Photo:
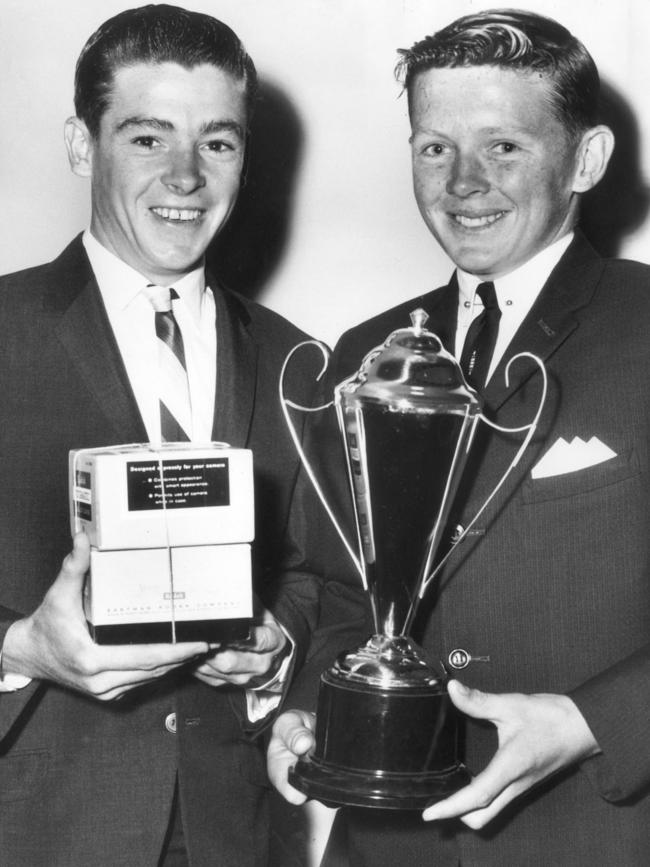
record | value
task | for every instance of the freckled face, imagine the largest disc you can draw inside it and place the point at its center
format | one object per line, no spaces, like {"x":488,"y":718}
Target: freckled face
{"x":166,"y":165}
{"x":493,"y":169}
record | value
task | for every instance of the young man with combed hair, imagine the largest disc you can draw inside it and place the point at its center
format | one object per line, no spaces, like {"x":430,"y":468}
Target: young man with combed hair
{"x":141,"y":754}
{"x":549,"y":599}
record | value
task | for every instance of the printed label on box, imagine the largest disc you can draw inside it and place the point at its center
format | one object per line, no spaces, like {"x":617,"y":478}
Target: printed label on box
{"x":83,"y":496}
{"x":206,"y":582}
{"x":187,"y":484}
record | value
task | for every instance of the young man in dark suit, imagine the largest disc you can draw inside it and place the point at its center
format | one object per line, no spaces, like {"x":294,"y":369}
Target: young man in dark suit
{"x":170,"y":773}
{"x":549,"y":600}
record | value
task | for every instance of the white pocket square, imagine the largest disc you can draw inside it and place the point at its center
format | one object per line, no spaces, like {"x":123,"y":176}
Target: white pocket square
{"x":564,"y":457}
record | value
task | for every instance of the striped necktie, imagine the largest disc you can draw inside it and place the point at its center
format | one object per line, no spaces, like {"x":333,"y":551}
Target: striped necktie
{"x":481,"y":338}
{"x":173,"y":386}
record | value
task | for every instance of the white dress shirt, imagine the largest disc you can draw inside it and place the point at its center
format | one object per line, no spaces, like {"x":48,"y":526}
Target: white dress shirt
{"x":516,"y":294}
{"x":132,"y":319}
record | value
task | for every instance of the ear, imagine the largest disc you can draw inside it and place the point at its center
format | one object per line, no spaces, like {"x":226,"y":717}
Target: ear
{"x":243,"y":175}
{"x":79,"y":145}
{"x":593,"y":153}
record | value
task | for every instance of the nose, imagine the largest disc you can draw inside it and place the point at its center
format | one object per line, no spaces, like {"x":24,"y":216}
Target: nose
{"x":467,"y":176}
{"x":182,"y":174}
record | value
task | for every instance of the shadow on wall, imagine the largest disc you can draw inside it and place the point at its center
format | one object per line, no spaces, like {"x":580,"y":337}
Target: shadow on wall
{"x":253,"y":243}
{"x":619,"y":203}
{"x":245,"y":254}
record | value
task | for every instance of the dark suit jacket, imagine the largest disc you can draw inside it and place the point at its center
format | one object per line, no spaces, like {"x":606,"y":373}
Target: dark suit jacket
{"x":85,"y":783}
{"x":556,"y":591}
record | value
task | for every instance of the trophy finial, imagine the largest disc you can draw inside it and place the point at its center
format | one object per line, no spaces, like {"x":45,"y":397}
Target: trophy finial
{"x":419,"y":319}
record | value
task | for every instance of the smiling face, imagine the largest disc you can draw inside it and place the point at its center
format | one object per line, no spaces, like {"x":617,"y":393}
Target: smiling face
{"x":165,"y":168}
{"x":494,"y":171}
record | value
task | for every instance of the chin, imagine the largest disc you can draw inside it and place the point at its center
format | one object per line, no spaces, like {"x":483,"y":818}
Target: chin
{"x":180,"y":262}
{"x":474,"y":265}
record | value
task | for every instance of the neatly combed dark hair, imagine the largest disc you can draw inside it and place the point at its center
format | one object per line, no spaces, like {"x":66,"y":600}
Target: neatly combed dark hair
{"x":512,"y":39}
{"x":155,"y":34}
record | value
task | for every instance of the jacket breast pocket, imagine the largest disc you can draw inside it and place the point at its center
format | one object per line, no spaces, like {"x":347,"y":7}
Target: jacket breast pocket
{"x":21,"y":774}
{"x":617,"y":469}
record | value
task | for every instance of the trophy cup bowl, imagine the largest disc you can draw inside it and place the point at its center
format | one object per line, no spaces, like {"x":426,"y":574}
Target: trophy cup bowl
{"x":386,"y":731}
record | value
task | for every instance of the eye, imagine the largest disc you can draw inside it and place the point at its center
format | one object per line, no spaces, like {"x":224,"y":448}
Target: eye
{"x":148,"y":142}
{"x":506,"y":147}
{"x":434,"y":150}
{"x":222,"y":147}
{"x":219,"y":146}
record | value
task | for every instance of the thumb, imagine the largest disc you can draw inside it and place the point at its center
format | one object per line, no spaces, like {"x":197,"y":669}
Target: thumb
{"x":295,"y":730}
{"x":469,"y":701}
{"x":291,"y":739}
{"x":77,"y":562}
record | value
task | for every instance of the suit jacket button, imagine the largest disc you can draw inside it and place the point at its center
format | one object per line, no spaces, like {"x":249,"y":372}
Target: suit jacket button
{"x":459,"y":658}
{"x":456,"y":533}
{"x":170,"y":723}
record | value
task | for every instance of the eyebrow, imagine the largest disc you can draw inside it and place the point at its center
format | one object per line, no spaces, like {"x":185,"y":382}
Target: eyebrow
{"x":216,"y":126}
{"x":208,"y":128}
{"x":499,"y":132}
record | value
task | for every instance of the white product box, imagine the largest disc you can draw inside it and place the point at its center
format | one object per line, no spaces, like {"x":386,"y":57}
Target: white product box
{"x":116,"y":495}
{"x":197,"y":593}
{"x":169,"y":528}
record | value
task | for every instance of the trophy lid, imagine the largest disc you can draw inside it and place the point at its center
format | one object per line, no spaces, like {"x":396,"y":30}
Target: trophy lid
{"x":412,"y":371}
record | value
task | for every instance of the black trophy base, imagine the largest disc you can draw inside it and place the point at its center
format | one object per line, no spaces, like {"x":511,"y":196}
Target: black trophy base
{"x":390,"y":791}
{"x":392,"y":748}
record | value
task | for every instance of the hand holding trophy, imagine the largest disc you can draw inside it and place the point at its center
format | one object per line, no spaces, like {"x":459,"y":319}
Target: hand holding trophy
{"x":387,"y":734}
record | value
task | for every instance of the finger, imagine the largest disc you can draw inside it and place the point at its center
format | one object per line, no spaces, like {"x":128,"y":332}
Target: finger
{"x":240,"y":666}
{"x":231,"y":662}
{"x":278,"y":770}
{"x":483,"y":790}
{"x":146,"y":658}
{"x":464,"y":807}
{"x":478,"y":819}
{"x":266,"y":638}
{"x":207,"y":669}
{"x":105,"y":684}
{"x":265,"y":616}
{"x":215,"y":675}
{"x":292,"y":737}
{"x":210,"y":679}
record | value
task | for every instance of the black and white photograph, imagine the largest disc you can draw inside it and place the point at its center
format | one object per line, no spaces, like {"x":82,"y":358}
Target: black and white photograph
{"x":325,"y":436}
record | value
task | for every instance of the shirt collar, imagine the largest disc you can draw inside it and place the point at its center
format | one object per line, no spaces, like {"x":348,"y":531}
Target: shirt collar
{"x":120,"y":284}
{"x":523,"y":285}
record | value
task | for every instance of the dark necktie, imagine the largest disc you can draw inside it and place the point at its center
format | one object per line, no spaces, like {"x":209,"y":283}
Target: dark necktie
{"x":481,"y":338}
{"x":173,"y":390}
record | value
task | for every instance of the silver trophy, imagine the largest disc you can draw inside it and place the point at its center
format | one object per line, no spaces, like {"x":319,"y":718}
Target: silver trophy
{"x":387,"y":734}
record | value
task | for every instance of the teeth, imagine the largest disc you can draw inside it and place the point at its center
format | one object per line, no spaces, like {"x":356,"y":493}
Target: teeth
{"x":177,"y":214}
{"x":477,"y":222}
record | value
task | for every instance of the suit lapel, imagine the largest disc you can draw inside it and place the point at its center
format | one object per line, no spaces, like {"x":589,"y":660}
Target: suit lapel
{"x":550,"y":322}
{"x":85,"y":332}
{"x":236,"y":370}
{"x":442,"y":307}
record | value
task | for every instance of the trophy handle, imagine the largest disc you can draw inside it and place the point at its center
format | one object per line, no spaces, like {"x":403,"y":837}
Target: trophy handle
{"x":531,"y":428}
{"x":286,"y":403}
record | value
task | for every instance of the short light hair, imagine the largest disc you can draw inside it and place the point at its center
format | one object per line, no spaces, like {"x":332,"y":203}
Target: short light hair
{"x":522,"y":41}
